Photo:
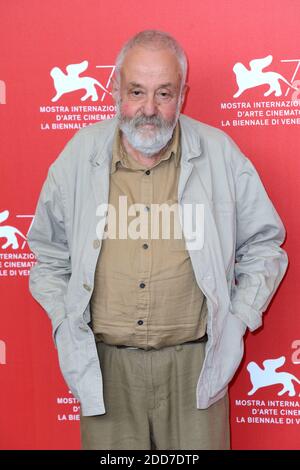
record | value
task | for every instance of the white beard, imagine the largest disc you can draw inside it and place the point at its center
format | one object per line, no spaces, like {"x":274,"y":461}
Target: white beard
{"x":146,"y":140}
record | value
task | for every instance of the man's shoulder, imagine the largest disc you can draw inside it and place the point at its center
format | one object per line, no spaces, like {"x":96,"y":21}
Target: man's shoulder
{"x":208,"y":136}
{"x":85,"y":144}
{"x":216,"y":142}
{"x":96,"y":132}
{"x":202,"y":129}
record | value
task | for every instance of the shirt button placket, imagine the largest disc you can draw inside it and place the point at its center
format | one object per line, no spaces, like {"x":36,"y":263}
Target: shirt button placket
{"x":144,"y":273}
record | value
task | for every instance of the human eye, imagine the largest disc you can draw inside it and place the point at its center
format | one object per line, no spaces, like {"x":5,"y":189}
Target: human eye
{"x":164,"y":95}
{"x":135,"y":94}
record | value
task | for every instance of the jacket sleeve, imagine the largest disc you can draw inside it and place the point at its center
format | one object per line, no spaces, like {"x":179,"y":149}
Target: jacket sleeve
{"x":260,"y":261}
{"x":47,"y":239}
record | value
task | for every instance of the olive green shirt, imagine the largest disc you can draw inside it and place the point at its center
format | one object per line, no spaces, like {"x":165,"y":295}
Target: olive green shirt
{"x":145,"y":292}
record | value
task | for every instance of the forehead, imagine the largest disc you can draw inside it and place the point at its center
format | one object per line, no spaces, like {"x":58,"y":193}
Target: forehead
{"x":150,"y":66}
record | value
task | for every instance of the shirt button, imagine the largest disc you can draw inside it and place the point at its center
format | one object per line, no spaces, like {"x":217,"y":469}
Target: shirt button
{"x":96,"y":244}
{"x":142,"y":285}
{"x":140,"y":322}
{"x":145,"y":246}
{"x":87,"y":287}
{"x":148,"y":172}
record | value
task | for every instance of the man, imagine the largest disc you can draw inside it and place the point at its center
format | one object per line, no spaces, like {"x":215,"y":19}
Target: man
{"x":149,"y":329}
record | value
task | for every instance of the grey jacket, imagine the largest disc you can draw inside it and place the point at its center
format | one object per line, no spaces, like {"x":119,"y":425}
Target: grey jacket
{"x":238,"y":268}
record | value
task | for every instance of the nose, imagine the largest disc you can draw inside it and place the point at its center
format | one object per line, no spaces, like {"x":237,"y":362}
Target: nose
{"x":149,"y":106}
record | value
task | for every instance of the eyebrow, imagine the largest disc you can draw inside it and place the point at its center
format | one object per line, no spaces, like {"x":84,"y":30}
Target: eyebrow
{"x":138,"y":85}
{"x":135,"y":84}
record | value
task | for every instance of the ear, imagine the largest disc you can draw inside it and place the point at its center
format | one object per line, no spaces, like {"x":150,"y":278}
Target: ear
{"x":183,"y":93}
{"x":115,"y":88}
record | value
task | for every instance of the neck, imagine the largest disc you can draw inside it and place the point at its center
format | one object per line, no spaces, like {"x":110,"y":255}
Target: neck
{"x":145,"y":160}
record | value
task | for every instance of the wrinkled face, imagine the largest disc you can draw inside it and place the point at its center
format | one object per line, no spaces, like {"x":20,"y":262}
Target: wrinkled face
{"x":148,"y":98}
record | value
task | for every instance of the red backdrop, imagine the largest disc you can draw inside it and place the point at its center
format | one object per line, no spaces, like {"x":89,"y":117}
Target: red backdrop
{"x":37,"y":411}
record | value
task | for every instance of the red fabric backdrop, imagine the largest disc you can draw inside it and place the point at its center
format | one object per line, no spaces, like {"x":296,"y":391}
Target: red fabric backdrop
{"x":37,"y":411}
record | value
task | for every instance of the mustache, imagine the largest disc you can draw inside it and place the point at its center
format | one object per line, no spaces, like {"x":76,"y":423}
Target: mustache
{"x":143,"y":120}
{"x":148,"y":120}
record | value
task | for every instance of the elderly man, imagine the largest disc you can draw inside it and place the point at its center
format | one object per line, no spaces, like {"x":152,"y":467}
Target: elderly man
{"x":149,"y":327}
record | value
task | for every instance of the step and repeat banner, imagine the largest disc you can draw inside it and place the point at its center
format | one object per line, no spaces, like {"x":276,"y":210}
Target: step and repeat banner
{"x":56,"y":67}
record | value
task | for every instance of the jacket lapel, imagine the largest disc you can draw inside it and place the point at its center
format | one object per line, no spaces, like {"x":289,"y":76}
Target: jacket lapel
{"x":195,"y":187}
